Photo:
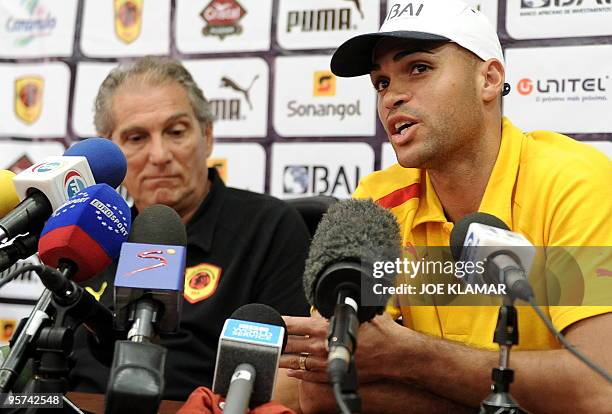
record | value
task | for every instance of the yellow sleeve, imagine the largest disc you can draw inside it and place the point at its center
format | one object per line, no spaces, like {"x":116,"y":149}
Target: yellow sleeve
{"x":581,"y":238}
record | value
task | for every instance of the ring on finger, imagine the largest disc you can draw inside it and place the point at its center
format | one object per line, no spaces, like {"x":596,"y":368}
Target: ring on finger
{"x":302,"y":360}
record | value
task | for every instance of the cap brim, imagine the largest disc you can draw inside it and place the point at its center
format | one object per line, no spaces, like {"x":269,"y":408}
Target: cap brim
{"x":354,"y":57}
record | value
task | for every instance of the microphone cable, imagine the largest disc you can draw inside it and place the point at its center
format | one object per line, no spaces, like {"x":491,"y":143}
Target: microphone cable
{"x":566,"y":343}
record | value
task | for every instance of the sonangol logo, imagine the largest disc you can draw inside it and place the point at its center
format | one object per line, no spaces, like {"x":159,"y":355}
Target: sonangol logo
{"x":46,"y":167}
{"x":324,"y":83}
{"x":524,"y":86}
{"x":73,"y":183}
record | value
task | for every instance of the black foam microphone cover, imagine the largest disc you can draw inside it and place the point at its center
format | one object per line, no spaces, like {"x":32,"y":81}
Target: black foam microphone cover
{"x":158,"y":224}
{"x":351,"y":236}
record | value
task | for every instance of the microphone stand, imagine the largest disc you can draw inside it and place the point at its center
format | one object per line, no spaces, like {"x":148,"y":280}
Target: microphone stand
{"x":350,"y":393}
{"x":344,"y":327}
{"x":136,"y":382}
{"x":499,"y":401}
{"x":55,"y":343}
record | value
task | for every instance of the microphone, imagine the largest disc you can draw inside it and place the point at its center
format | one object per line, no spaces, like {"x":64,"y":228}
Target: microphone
{"x":482,"y":237}
{"x":81,"y":239}
{"x":105,"y":158}
{"x":86,"y":233}
{"x":150,"y":275}
{"x":8,"y":194}
{"x":44,"y":187}
{"x":249,"y":351}
{"x":22,"y":247}
{"x":351,"y":236}
{"x":148,"y":298}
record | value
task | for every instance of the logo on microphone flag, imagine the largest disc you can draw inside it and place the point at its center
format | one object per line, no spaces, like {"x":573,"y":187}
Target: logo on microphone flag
{"x":201,"y":282}
{"x":89,"y":229}
{"x":128,"y":19}
{"x":44,"y":167}
{"x":28,"y":98}
{"x":73,"y":183}
{"x":144,"y":265}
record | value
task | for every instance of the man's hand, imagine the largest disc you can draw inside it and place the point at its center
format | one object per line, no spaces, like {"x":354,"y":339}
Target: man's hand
{"x":374,"y":347}
{"x":307,"y":336}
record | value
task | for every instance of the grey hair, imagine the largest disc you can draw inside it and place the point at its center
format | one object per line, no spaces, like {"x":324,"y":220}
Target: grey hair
{"x":154,"y":70}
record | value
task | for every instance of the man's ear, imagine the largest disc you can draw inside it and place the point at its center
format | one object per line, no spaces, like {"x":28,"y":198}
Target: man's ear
{"x":493,"y":74}
{"x":207,"y":134}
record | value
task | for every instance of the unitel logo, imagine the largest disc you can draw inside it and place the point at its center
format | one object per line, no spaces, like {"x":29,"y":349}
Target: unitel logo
{"x":524,"y":86}
{"x":222,"y":17}
{"x":565,"y":85}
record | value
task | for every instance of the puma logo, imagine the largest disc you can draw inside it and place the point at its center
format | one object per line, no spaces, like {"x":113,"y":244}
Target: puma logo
{"x":358,"y":7}
{"x":601,"y":272}
{"x":228,"y":83}
{"x":99,"y":293}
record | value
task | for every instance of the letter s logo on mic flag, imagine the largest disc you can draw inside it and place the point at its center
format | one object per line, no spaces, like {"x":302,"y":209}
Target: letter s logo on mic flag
{"x":148,"y":265}
{"x":89,"y":228}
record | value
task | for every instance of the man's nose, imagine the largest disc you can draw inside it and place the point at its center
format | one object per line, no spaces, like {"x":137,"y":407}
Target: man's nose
{"x":396,"y":96}
{"x":159,"y":151}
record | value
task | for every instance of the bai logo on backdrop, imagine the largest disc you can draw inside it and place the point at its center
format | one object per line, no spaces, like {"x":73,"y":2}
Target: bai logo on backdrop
{"x":565,"y":89}
{"x":231,"y":109}
{"x":558,"y":7}
{"x":28,"y":98}
{"x":39,"y":23}
{"x":324,"y":20}
{"x":319,"y":179}
{"x":128,"y":19}
{"x":222,"y":18}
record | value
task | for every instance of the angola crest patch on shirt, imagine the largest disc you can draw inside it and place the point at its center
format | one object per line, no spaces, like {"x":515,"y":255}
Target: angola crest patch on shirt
{"x":201,"y":281}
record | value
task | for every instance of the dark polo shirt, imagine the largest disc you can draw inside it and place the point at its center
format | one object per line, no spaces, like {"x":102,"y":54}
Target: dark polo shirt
{"x":243,"y":247}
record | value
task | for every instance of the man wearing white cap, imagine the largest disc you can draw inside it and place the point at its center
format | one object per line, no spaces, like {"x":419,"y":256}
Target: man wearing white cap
{"x":438,"y":69}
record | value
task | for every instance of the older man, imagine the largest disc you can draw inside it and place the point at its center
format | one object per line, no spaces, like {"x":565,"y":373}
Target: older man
{"x":242,"y":247}
{"x":438,"y":70}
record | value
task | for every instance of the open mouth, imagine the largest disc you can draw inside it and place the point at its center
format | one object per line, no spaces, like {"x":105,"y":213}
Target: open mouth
{"x":400,"y":127}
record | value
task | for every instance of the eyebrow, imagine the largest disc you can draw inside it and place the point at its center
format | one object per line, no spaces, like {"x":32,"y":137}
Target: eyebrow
{"x":173,"y":118}
{"x":402,"y":54}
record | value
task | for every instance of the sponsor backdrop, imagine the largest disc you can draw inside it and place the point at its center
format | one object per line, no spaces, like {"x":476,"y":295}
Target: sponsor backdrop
{"x":285,"y":124}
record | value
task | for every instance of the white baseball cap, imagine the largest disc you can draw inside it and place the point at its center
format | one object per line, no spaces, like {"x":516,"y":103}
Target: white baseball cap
{"x":442,"y":20}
